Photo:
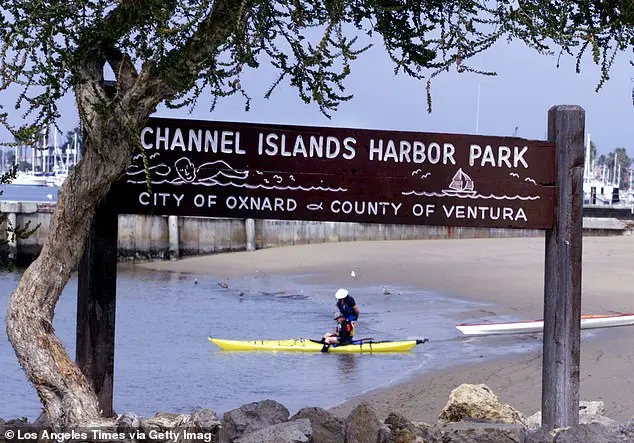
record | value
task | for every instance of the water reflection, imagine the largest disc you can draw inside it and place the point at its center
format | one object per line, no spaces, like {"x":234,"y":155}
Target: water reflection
{"x":346,"y":364}
{"x":134,"y":272}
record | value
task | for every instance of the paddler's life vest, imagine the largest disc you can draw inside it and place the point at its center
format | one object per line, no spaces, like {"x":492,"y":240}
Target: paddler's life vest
{"x":345,"y":331}
{"x":345,"y":306}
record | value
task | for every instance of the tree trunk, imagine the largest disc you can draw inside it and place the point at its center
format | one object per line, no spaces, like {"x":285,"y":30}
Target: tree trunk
{"x":65,"y":392}
{"x":113,"y":119}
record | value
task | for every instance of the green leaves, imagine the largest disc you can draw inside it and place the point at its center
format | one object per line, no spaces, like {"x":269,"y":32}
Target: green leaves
{"x":49,"y":46}
{"x":600,"y":28}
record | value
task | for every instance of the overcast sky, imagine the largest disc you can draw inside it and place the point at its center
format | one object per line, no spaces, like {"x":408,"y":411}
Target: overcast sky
{"x":526,"y":86}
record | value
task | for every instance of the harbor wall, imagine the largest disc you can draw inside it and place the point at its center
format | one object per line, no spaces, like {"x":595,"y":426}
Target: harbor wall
{"x":168,"y":237}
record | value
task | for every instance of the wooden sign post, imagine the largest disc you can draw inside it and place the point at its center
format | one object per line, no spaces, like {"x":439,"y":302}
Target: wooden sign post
{"x":562,"y":274}
{"x":96,"y":303}
{"x":261,"y":171}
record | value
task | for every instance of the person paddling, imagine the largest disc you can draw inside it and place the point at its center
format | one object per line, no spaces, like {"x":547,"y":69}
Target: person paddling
{"x":347,"y":305}
{"x":342,"y":335}
{"x":346,"y":317}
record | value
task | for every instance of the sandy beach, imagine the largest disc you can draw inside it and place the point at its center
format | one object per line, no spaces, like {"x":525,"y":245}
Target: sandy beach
{"x":509,"y":273}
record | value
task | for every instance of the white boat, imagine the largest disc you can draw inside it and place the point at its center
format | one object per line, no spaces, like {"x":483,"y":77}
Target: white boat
{"x":27,"y":178}
{"x":57,"y":179}
{"x":522,"y":327}
{"x":602,"y":186}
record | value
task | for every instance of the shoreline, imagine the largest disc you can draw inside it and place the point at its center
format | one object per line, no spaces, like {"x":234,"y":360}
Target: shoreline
{"x":505,"y":272}
{"x":515,"y":379}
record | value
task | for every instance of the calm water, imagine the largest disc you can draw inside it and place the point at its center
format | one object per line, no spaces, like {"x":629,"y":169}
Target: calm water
{"x":165,"y":362}
{"x":28,"y":193}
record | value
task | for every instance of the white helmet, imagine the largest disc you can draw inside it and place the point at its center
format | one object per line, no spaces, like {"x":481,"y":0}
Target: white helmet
{"x":341,"y":293}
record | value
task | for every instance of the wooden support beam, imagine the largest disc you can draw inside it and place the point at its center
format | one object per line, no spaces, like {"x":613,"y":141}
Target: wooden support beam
{"x":562,"y":276}
{"x":96,"y":302}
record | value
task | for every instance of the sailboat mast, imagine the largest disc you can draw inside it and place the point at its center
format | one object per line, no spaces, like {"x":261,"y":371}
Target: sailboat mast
{"x":54,"y":148}
{"x":67,"y":149}
{"x":588,"y":156}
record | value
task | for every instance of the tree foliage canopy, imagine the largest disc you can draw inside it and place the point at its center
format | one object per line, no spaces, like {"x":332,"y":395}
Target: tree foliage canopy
{"x":46,"y":45}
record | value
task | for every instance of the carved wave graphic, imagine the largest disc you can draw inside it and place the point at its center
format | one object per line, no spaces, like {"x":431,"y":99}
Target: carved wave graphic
{"x":162,"y":170}
{"x":243,"y":185}
{"x":216,"y":173}
{"x":471,"y":196}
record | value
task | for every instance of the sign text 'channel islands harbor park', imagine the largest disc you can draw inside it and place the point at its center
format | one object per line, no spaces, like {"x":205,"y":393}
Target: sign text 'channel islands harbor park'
{"x":258,"y":171}
{"x":243,"y":170}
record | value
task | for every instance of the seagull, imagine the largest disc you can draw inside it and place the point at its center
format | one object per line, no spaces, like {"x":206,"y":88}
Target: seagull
{"x":353,"y":274}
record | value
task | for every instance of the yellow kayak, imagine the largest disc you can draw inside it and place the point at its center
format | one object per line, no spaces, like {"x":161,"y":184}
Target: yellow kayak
{"x":308,"y":345}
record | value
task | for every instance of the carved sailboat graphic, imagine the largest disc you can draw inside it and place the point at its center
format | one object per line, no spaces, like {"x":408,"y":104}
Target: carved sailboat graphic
{"x":461,"y":184}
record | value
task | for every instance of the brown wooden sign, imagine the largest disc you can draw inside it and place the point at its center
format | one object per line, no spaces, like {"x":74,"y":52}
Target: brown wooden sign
{"x":244,"y":170}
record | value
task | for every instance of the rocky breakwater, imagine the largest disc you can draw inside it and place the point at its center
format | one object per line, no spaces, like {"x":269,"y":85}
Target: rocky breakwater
{"x":473,"y":414}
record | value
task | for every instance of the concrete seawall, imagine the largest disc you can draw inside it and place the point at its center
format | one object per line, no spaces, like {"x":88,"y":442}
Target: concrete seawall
{"x":167,"y":237}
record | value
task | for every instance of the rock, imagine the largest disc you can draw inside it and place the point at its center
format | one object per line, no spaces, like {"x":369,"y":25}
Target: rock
{"x":205,"y":419}
{"x":480,"y":403}
{"x":164,"y":421}
{"x":17,"y":422}
{"x":534,"y":421}
{"x":537,"y":435}
{"x":16,"y":425}
{"x":477,"y":432}
{"x":592,"y":432}
{"x":363,"y":426}
{"x":589,"y":412}
{"x":625,"y":431}
{"x":595,"y":432}
{"x":42,"y":421}
{"x":20,"y":423}
{"x":403,"y":430}
{"x":605,"y":421}
{"x":251,"y":417}
{"x":385,"y":435}
{"x":296,"y":431}
{"x":327,"y":428}
{"x":591,"y":408}
{"x":128,"y":423}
